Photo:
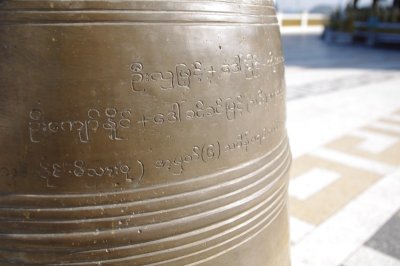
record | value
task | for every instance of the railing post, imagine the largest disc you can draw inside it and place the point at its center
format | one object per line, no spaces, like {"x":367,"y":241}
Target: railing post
{"x":304,"y":20}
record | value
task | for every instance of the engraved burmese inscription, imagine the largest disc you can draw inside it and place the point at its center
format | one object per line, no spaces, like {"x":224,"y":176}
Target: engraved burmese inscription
{"x":246,"y":140}
{"x":203,"y":153}
{"x":183,"y":75}
{"x":121,"y":123}
{"x":214,"y":151}
{"x":81,"y":169}
{"x":111,"y":120}
{"x":8,"y":172}
{"x":229,"y":108}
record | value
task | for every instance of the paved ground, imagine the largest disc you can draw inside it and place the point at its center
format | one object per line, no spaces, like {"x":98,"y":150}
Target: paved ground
{"x":344,"y":127}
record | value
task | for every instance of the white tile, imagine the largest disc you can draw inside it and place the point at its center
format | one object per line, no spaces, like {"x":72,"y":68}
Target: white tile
{"x":299,"y":229}
{"x":366,"y":256}
{"x":311,"y":182}
{"x":353,"y":161}
{"x":317,"y":120}
{"x":386,"y":126}
{"x":393,"y":117}
{"x":374,"y":142}
{"x":302,"y":30}
{"x":340,"y":236}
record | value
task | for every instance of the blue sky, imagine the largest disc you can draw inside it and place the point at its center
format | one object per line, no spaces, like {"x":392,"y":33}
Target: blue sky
{"x":304,"y":4}
{"x":307,"y":4}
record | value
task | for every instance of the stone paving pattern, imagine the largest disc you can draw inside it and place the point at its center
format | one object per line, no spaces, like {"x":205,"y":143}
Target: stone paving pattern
{"x":344,"y":128}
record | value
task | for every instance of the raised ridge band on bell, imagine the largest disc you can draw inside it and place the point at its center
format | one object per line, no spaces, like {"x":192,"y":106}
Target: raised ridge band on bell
{"x":264,"y":197}
{"x":234,"y":237}
{"x":252,"y":221}
{"x":264,"y":210}
{"x":147,"y":5}
{"x":163,"y":213}
{"x":246,"y":185}
{"x":70,"y":12}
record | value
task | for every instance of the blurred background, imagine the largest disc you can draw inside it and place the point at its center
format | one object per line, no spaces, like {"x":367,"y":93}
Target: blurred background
{"x":343,"y":90}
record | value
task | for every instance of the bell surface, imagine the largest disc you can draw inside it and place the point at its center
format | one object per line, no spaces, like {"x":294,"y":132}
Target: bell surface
{"x":142,"y":133}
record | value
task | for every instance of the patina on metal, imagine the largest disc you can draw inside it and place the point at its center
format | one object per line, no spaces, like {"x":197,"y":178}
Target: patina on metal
{"x":142,"y":133}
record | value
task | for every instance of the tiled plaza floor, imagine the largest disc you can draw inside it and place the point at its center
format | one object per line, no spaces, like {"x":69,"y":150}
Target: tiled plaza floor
{"x":344,"y":128}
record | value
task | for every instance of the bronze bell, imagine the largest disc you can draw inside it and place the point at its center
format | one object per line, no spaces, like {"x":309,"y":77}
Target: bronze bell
{"x":142,"y":133}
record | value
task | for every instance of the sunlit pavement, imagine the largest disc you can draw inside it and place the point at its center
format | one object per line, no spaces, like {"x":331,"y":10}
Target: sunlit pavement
{"x":344,"y":128}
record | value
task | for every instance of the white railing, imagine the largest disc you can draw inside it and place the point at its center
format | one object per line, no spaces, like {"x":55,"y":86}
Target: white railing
{"x":302,"y":22}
